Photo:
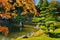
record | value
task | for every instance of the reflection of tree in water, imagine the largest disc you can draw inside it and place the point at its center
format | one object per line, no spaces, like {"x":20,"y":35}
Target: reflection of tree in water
{"x":21,"y":25}
{"x":4,"y":38}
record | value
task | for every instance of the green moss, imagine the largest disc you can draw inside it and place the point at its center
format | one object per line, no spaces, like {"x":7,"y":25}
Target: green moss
{"x":39,"y":38}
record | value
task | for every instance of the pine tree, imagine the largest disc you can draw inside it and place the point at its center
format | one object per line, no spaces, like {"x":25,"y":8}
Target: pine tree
{"x":46,"y":17}
{"x":45,"y":3}
{"x":40,"y":3}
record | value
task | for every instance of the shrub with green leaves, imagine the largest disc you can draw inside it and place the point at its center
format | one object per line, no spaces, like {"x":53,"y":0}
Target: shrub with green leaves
{"x":47,"y":18}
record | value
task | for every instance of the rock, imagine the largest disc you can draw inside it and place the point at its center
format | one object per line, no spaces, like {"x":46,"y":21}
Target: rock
{"x":37,"y":26}
{"x":24,"y":36}
{"x":38,"y":33}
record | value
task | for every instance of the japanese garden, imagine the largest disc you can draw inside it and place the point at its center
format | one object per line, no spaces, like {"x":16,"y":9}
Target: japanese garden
{"x":26,"y":20}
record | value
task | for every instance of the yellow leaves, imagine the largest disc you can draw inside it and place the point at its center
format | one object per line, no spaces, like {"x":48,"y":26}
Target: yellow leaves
{"x":6,"y":15}
{"x":15,"y":4}
{"x":3,"y":0}
{"x":7,"y":9}
{"x":14,"y":15}
{"x":31,"y":11}
{"x":0,"y":15}
{"x":10,"y":0}
{"x":8,"y":6}
{"x":19,"y":2}
{"x":23,"y":13}
{"x":26,"y":4}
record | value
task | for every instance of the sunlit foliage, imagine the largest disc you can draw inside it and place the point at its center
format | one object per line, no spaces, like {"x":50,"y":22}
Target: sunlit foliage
{"x":27,"y":5}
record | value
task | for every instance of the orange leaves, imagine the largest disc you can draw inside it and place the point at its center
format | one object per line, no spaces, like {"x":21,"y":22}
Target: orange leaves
{"x":14,"y":15}
{"x":28,"y":4}
{"x":1,"y":28}
{"x":15,"y":4}
{"x":0,"y":0}
{"x":4,"y":2}
{"x":4,"y":30}
{"x":0,"y":15}
{"x":8,"y":15}
{"x":5,"y":15}
{"x":6,"y":5}
{"x":23,"y":13}
{"x":19,"y":2}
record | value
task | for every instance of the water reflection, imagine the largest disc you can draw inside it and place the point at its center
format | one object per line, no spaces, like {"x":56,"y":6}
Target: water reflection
{"x":4,"y":38}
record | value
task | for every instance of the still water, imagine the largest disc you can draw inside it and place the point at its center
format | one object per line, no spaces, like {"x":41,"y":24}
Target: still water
{"x":27,"y":29}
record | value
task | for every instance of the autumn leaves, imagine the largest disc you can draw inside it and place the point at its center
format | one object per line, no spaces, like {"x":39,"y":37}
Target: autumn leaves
{"x":7,"y":15}
{"x":4,"y":30}
{"x":27,"y":5}
{"x":10,"y":5}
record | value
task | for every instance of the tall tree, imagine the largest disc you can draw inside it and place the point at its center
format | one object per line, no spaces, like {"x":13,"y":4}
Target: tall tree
{"x":45,"y":3}
{"x":27,"y":6}
{"x":57,"y":5}
{"x":14,"y":9}
{"x":40,"y":3}
{"x":46,"y":17}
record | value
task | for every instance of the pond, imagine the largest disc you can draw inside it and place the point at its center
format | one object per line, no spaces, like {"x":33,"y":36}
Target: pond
{"x":27,"y":29}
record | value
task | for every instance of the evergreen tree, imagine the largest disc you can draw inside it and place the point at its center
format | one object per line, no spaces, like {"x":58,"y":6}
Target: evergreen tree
{"x":57,"y":12}
{"x":45,"y":3}
{"x":46,"y":18}
{"x":40,"y":3}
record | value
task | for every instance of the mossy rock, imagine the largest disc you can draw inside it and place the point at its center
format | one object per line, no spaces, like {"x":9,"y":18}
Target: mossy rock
{"x":38,"y":33}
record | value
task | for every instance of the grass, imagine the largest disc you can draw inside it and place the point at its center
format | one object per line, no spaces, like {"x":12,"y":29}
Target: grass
{"x":27,"y":29}
{"x":43,"y":37}
{"x":57,"y":30}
